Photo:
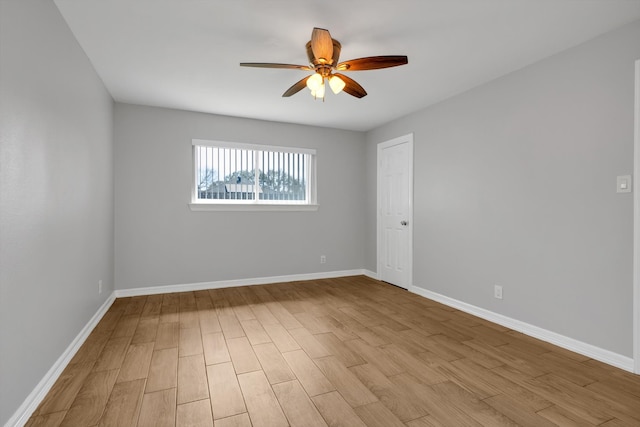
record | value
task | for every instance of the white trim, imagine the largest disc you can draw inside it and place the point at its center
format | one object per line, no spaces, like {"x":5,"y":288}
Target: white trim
{"x":636,"y":226}
{"x":371,"y":274}
{"x":396,"y":141}
{"x":203,"y":206}
{"x":30,"y":404}
{"x":597,"y":353}
{"x":167,"y":289}
{"x":257,"y":147}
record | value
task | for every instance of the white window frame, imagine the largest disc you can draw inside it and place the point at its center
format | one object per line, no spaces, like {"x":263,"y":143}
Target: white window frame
{"x":311,"y":204}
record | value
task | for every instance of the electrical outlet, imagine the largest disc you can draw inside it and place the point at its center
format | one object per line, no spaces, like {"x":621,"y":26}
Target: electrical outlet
{"x":99,"y":286}
{"x":323,"y":259}
{"x":624,"y":184}
{"x":497,"y":291}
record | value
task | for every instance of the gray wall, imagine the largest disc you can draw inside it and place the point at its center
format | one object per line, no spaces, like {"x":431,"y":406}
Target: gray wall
{"x":160,"y":241}
{"x":515,"y":185}
{"x":56,"y":194}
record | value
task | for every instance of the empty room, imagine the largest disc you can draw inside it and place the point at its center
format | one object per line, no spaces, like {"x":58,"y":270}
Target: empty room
{"x":302,"y":213}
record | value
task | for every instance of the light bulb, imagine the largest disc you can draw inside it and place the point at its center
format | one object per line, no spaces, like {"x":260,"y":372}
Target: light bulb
{"x":315,"y":81}
{"x":337,"y":84}
{"x":318,"y":93}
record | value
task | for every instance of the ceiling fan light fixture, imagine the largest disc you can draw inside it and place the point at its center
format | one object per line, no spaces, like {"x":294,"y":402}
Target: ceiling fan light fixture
{"x":315,"y":81}
{"x":336,"y":84}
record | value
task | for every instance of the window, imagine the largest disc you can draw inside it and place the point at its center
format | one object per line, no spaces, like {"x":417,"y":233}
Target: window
{"x":230,"y":176}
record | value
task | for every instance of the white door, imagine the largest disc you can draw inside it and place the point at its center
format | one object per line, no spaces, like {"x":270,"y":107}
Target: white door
{"x":395,"y":205}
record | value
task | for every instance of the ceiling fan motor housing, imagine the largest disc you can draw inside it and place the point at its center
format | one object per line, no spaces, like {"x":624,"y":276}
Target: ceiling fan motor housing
{"x":314,"y":62}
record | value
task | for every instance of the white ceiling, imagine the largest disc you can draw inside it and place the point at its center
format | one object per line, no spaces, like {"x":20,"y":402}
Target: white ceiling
{"x":185,"y":53}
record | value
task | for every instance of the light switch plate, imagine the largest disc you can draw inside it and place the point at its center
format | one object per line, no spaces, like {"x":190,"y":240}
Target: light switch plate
{"x":624,"y":184}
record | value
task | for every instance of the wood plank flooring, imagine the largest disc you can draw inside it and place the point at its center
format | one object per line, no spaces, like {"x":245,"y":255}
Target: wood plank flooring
{"x":338,"y":352}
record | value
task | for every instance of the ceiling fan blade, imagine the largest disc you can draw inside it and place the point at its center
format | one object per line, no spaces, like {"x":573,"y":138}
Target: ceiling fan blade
{"x":372,"y":63}
{"x":322,"y":45}
{"x":297,"y":87}
{"x":272,"y":65}
{"x":352,"y":87}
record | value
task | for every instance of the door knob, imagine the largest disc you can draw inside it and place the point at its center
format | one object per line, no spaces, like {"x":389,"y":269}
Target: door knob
{"x":404,"y":223}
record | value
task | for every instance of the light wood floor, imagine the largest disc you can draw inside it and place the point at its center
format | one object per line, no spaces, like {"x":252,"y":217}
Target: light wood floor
{"x":339,"y":352}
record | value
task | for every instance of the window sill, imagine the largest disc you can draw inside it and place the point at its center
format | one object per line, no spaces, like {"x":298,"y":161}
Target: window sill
{"x":199,"y":207}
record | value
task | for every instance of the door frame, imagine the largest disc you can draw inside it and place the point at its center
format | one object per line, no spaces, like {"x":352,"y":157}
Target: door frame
{"x":381,"y":146}
{"x":636,"y":225}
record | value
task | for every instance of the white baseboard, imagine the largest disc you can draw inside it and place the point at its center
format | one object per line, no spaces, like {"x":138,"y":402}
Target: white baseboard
{"x":167,"y":289}
{"x":21,"y":416}
{"x":372,"y":274}
{"x":30,"y":404}
{"x":574,"y":345}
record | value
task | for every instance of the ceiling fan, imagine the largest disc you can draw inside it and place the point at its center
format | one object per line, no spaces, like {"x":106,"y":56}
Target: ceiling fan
{"x":323,"y":53}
